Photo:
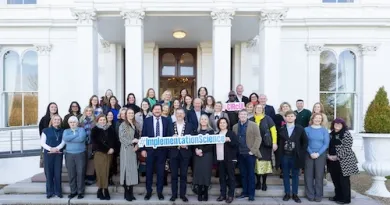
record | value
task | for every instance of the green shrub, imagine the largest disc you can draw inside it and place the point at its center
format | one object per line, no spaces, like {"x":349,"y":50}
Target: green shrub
{"x":377,"y":118}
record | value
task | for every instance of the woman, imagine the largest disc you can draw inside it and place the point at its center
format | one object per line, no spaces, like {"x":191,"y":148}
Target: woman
{"x":279,"y":118}
{"x":166,"y":111}
{"x":52,"y":144}
{"x":254,"y":99}
{"x":121,"y":118}
{"x":166,"y":98}
{"x":250,"y":109}
{"x":114,"y":162}
{"x":342,"y":162}
{"x":319,"y":108}
{"x":209,"y":107}
{"x":110,"y":118}
{"x":268,"y":144}
{"x":175,"y":105}
{"x":318,"y":142}
{"x":203,"y":93}
{"x":87,"y":121}
{"x":150,"y":97}
{"x":188,"y":103}
{"x":74,"y":110}
{"x":182,"y":96}
{"x":131,"y":100}
{"x":94,"y":103}
{"x":203,"y":161}
{"x":74,"y":138}
{"x":103,"y":143}
{"x":227,"y":158}
{"x":128,"y":136}
{"x":52,"y":109}
{"x":114,"y":107}
{"x":218,"y":114}
{"x":144,"y":113}
{"x":105,"y":101}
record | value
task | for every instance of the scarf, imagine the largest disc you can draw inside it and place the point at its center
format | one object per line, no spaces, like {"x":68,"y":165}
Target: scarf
{"x":105,"y":127}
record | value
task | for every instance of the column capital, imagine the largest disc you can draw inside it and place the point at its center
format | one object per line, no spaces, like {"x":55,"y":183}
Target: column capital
{"x":133,"y":17}
{"x":43,"y":49}
{"x":314,"y":49}
{"x":106,"y":45}
{"x":272,"y":17}
{"x":222,"y":17}
{"x":367,"y":49}
{"x":84,"y":16}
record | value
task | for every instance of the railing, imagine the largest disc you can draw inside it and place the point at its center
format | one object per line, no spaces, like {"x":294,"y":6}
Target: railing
{"x":19,"y":141}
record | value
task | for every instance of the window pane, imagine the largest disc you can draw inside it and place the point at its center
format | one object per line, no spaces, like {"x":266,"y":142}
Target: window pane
{"x":328,"y":100}
{"x":345,"y":108}
{"x":328,"y":71}
{"x":30,"y":109}
{"x":169,"y":65}
{"x":347,"y":72}
{"x":329,"y":1}
{"x":11,"y":72}
{"x":30,"y":1}
{"x":13,"y":107}
{"x":345,"y":1}
{"x":187,"y":65}
{"x":30,"y":71}
{"x":14,"y":1}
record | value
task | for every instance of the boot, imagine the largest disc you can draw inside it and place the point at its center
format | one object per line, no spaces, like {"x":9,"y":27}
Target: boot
{"x":264,"y":186}
{"x":258,"y":183}
{"x":126,"y":193}
{"x":205,"y":193}
{"x":106,"y":194}
{"x":100,"y":193}
{"x":200,"y":192}
{"x":131,"y":193}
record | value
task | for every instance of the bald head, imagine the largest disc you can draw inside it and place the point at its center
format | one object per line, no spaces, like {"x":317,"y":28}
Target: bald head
{"x":197,"y":104}
{"x":262,"y":99}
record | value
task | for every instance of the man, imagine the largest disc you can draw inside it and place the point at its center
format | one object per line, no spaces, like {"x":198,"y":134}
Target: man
{"x":240,"y":97}
{"x":249,"y":135}
{"x":268,"y":109}
{"x":303,"y":115}
{"x":292,"y":149}
{"x":156,"y":126}
{"x":233,"y":115}
{"x":193,"y":116}
{"x":180,"y":156}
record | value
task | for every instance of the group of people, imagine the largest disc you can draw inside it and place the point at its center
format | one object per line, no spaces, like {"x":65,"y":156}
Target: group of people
{"x":94,"y":140}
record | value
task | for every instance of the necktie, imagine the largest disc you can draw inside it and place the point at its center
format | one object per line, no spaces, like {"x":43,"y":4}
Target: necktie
{"x":217,"y":117}
{"x":157,"y":127}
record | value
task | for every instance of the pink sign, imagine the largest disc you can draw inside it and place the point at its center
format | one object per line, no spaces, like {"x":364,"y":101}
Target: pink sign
{"x":235,"y":106}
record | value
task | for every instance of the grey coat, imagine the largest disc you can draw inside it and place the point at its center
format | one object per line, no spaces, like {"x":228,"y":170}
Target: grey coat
{"x":128,"y":157}
{"x":140,"y":119}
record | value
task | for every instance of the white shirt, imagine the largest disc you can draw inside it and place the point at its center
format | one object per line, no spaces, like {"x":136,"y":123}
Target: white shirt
{"x":239,"y":98}
{"x":197,"y":115}
{"x":47,"y":147}
{"x":154,"y":126}
{"x":180,"y":127}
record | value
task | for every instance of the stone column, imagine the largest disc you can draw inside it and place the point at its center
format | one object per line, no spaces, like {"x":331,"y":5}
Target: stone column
{"x":107,"y":68}
{"x":221,"y":53}
{"x":43,"y":51}
{"x":87,"y":52}
{"x":134,"y":53}
{"x":313,"y":73}
{"x":270,"y":54}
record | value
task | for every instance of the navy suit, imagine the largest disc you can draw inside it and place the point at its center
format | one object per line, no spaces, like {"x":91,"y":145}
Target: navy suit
{"x":180,"y":158}
{"x":158,"y":155}
{"x":193,"y":119}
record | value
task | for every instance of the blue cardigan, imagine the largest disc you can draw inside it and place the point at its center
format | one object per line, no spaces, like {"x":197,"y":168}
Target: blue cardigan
{"x":75,"y":141}
{"x":318,"y":139}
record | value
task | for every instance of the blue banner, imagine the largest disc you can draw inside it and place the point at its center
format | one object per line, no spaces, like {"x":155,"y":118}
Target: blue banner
{"x":180,"y":141}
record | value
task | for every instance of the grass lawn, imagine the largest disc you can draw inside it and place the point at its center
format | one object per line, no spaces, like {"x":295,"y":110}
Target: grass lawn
{"x":388,"y":177}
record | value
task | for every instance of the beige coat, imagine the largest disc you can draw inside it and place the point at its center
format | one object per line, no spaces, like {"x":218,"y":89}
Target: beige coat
{"x":253,"y":137}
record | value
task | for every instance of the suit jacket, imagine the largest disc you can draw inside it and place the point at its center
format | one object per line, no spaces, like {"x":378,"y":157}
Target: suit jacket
{"x":300,"y":138}
{"x":270,"y":111}
{"x":148,"y":128}
{"x":193,"y":119}
{"x":244,"y":99}
{"x":174,"y":151}
{"x":253,"y":137}
{"x":213,"y":121}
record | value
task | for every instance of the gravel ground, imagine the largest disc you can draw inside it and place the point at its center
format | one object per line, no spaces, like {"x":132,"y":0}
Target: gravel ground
{"x":362,"y":182}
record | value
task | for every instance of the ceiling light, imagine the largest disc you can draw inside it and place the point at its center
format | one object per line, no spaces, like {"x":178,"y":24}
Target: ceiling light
{"x":179,"y":34}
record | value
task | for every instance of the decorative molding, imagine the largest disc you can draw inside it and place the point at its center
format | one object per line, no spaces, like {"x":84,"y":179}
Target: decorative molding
{"x":106,"y":45}
{"x":84,"y":17}
{"x":43,"y":49}
{"x":367,"y":49}
{"x":222,"y":17}
{"x":253,"y":42}
{"x":133,"y":17}
{"x":314,"y":49}
{"x":272,"y":17}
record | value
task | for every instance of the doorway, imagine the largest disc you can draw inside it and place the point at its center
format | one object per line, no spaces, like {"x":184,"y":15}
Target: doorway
{"x":177,"y":70}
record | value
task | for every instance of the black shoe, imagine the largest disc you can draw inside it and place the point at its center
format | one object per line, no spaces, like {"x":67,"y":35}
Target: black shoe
{"x":264,"y":187}
{"x":251,"y":198}
{"x":258,"y":186}
{"x":286,"y":197}
{"x":160,"y":196}
{"x":49,"y":196}
{"x":184,"y":198}
{"x":241,"y":196}
{"x":80,"y":196}
{"x":71,"y":196}
{"x":340,"y":202}
{"x":296,"y":198}
{"x":131,"y":193}
{"x":99,"y":193}
{"x":200,"y":192}
{"x":205,"y":193}
{"x":59,"y":196}
{"x":147,"y":196}
{"x":106,"y":194}
{"x":173,"y":198}
{"x":221,"y":198}
{"x":332,"y":199}
{"x":229,"y":199}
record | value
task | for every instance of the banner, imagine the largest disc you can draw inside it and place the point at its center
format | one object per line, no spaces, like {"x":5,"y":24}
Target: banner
{"x":235,"y":106}
{"x":180,"y":141}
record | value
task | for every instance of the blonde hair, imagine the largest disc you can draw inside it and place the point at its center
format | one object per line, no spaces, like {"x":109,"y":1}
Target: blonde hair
{"x":315,"y":115}
{"x":281,"y":107}
{"x":54,"y":116}
{"x":147,"y":93}
{"x":208,"y":123}
{"x":322,"y":109}
{"x":82,"y":118}
{"x":120,"y":111}
{"x":258,"y":105}
{"x":165,"y":93}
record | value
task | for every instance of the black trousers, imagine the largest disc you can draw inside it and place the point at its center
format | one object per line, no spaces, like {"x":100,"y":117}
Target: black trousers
{"x":342,"y":184}
{"x":176,"y":163}
{"x":155,"y":157}
{"x":227,"y":177}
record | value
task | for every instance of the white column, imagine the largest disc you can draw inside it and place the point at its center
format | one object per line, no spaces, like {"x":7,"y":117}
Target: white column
{"x":204,"y":66}
{"x":134,"y":52}
{"x":313,"y":73}
{"x":43,"y":51}
{"x":87,"y":52}
{"x":149,"y":68}
{"x":107,"y":71}
{"x":221,"y":52}
{"x":120,"y":75}
{"x":270,"y":54}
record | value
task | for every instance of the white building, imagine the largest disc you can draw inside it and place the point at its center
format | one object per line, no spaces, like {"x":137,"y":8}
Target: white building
{"x":315,"y":50}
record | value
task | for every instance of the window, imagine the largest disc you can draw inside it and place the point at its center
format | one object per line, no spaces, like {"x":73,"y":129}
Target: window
{"x":20,"y":88}
{"x":21,"y":1}
{"x":337,"y":1}
{"x":337,"y":85}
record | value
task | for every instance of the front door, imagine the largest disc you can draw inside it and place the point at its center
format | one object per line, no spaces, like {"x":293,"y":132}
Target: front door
{"x":177,"y":70}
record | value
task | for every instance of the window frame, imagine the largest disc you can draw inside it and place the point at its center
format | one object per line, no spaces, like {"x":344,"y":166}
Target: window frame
{"x":337,"y":2}
{"x":7,"y":2}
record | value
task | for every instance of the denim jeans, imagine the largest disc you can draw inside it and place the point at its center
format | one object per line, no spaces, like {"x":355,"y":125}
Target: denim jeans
{"x":288,"y":166}
{"x":246,"y":164}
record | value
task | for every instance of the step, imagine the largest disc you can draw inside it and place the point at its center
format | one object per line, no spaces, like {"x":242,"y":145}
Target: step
{"x":40,"y":188}
{"x":118,"y":199}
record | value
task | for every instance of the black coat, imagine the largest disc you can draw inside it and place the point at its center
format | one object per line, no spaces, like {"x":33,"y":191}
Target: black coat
{"x":205,"y":147}
{"x":230,"y":149}
{"x":134,"y":107}
{"x":265,"y":125}
{"x":174,"y":151}
{"x":300,"y":138}
{"x":193,"y":119}
{"x":103,"y":140}
{"x":270,"y":111}
{"x":244,"y":99}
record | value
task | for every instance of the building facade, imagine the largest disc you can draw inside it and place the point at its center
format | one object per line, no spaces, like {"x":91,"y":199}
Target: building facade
{"x":333,"y":51}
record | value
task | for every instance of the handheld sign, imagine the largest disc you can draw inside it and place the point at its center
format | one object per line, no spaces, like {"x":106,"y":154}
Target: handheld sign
{"x":235,"y":106}
{"x":180,"y":141}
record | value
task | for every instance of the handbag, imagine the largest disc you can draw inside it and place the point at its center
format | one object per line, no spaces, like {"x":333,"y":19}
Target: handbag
{"x":266,"y":139}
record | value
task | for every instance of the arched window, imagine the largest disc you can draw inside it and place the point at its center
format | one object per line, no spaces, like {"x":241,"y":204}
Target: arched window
{"x":20,"y":88}
{"x":337,"y":85}
{"x":186,"y":64}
